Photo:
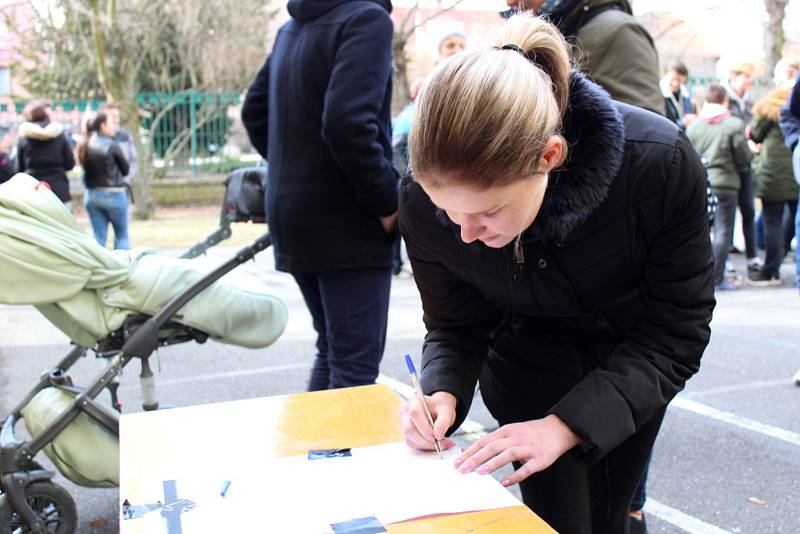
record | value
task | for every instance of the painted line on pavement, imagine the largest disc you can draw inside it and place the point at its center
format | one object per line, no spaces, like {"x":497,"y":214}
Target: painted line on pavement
{"x":722,"y":390}
{"x":736,"y":420}
{"x":228,"y":374}
{"x":679,"y":519}
{"x":472,"y":430}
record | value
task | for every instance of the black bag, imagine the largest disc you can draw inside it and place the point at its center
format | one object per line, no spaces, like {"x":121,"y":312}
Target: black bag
{"x":244,"y":195}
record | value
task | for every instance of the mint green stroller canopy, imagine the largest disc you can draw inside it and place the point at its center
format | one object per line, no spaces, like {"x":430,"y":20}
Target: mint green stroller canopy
{"x":48,"y":261}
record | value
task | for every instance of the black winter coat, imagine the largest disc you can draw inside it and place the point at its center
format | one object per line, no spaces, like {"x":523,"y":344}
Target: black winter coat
{"x":105,"y":164}
{"x":319,"y":112}
{"x":617,"y":280}
{"x":44,"y":152}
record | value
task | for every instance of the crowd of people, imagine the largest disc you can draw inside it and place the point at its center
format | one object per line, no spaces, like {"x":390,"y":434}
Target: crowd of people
{"x":106,"y":153}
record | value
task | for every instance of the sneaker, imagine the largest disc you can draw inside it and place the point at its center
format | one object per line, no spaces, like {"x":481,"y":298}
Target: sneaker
{"x":755,"y":264}
{"x":729,"y":267}
{"x":762,"y":279}
{"x":797,"y":378}
{"x":637,"y":523}
{"x":734,"y":250}
{"x":726,"y":285}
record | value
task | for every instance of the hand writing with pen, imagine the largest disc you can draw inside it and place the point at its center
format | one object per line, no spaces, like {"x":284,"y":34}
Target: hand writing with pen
{"x":535,"y":444}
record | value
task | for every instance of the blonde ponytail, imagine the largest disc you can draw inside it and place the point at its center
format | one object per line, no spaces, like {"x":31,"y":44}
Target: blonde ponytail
{"x":483,"y":118}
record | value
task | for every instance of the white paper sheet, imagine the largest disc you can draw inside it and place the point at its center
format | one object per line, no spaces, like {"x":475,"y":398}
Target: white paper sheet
{"x":297,"y":495}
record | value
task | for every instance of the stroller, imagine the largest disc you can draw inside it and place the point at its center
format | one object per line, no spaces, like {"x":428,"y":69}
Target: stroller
{"x":121,"y":306}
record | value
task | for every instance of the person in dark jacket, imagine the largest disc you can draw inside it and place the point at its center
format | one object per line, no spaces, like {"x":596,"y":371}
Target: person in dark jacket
{"x":678,"y":104}
{"x":7,"y":166}
{"x":319,"y":113}
{"x":44,"y":152}
{"x":104,"y":169}
{"x":740,"y":103}
{"x":559,"y":241}
{"x":790,"y":126}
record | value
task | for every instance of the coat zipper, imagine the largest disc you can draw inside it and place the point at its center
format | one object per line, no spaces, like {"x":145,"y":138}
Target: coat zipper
{"x":519,"y":255}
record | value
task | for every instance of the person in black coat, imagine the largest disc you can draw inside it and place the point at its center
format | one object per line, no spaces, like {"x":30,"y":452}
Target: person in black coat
{"x":319,"y":113}
{"x":559,"y":241}
{"x":44,"y":152}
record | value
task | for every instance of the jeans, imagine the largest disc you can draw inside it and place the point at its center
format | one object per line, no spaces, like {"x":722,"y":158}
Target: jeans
{"x":747,"y":207}
{"x":349,"y":310}
{"x":640,"y":495}
{"x":106,"y":207}
{"x":723,"y":230}
{"x":775,"y":234}
{"x":760,"y":243}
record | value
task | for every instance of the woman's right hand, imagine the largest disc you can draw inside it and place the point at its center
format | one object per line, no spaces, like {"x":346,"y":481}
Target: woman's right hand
{"x":414,"y":425}
{"x":389,"y":223}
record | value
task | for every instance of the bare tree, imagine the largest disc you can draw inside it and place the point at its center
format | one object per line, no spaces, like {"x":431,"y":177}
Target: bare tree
{"x":773,"y":32}
{"x":114,"y":49}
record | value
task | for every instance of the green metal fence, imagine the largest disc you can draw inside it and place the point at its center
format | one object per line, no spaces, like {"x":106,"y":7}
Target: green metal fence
{"x":186,"y":131}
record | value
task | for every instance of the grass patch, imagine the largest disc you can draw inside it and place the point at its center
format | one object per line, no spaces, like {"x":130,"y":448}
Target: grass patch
{"x":181,"y":228}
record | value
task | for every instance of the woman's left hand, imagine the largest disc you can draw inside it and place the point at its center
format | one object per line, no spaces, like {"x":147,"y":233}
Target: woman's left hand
{"x":536,"y":444}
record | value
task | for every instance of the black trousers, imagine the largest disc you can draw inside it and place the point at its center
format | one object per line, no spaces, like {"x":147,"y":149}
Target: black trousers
{"x":778,"y":230}
{"x":575,"y":497}
{"x":572,"y":495}
{"x":747,"y":207}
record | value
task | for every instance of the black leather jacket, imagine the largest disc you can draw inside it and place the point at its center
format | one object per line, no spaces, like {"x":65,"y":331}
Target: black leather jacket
{"x":105,"y":164}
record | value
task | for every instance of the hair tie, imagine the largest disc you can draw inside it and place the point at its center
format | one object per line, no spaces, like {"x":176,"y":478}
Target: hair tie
{"x":530,"y":56}
{"x":513,"y":47}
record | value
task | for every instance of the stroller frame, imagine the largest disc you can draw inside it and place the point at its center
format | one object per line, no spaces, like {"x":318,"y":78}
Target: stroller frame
{"x":138,"y":337}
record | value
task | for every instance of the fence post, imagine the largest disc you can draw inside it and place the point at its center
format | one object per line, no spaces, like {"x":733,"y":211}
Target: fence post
{"x":192,"y":125}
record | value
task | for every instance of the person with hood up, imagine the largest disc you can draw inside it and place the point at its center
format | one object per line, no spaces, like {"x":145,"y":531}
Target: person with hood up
{"x":719,"y":137}
{"x":319,"y":113}
{"x":44,"y":152}
{"x":614,"y":49}
{"x":772,"y":174}
{"x":559,"y":241}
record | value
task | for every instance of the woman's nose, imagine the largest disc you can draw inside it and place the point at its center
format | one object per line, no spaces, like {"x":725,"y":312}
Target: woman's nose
{"x":471,"y":229}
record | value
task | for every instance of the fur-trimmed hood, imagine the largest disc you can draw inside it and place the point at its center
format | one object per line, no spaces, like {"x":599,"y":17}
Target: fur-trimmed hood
{"x":595,"y":135}
{"x":770,"y":105}
{"x":40,"y":131}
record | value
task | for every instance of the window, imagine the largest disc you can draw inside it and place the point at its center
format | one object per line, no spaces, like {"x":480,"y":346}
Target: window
{"x":5,"y":81}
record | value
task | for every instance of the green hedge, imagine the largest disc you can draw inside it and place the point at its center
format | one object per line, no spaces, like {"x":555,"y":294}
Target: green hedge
{"x":175,"y":191}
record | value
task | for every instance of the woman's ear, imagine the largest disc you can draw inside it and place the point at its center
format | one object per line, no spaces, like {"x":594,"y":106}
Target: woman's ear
{"x":553,"y":154}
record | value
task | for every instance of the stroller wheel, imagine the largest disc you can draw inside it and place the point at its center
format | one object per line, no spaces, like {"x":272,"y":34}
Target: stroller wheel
{"x":51,"y":502}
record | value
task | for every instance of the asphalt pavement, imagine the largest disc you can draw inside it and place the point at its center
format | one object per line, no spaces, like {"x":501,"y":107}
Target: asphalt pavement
{"x":727,"y":459}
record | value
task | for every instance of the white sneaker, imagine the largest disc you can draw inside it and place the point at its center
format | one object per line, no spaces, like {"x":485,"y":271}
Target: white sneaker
{"x":755,"y":263}
{"x":729,"y":267}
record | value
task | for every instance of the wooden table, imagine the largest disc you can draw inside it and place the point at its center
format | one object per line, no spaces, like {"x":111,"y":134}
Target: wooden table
{"x":287,"y":426}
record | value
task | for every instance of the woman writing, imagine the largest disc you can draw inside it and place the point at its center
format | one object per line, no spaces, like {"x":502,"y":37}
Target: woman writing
{"x":104,"y":168}
{"x":560,"y":244}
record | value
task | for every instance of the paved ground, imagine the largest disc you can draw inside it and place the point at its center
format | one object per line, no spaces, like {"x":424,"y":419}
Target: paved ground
{"x":727,"y":459}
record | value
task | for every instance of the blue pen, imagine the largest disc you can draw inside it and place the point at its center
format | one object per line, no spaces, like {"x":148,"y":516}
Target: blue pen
{"x":225,"y":486}
{"x":415,"y":380}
